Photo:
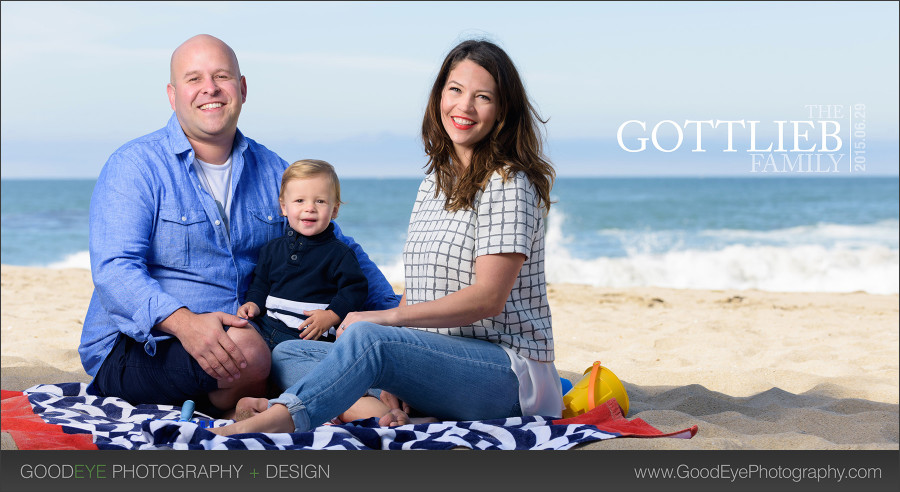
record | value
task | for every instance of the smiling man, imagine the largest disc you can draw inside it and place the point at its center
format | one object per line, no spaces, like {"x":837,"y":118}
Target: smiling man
{"x":176,"y":222}
{"x":207,"y":90}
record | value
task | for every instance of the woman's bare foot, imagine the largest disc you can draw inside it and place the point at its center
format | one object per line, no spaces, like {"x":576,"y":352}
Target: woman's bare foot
{"x":398,"y":417}
{"x":275,"y":419}
{"x":394,"y":418}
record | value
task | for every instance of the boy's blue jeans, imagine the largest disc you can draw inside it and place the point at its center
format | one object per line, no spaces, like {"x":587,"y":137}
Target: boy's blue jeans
{"x":448,"y":377}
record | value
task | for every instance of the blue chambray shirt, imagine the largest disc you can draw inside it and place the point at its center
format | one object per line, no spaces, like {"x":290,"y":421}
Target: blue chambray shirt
{"x":157,"y":242}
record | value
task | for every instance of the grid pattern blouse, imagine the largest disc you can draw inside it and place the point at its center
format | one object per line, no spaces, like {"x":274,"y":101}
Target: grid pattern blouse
{"x":441,"y":247}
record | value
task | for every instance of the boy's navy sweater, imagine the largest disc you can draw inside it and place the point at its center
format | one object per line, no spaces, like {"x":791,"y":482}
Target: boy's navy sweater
{"x":315,"y":269}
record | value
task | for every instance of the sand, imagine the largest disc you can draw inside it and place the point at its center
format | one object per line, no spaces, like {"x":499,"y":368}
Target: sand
{"x":754,"y":370}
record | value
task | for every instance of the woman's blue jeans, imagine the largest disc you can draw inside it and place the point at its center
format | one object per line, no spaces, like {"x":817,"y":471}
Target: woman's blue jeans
{"x":448,"y":377}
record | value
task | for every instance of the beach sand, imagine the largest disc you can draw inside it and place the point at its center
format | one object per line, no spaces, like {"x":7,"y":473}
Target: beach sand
{"x":754,"y":370}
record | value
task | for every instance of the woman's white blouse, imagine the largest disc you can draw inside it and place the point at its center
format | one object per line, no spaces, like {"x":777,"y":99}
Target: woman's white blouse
{"x":439,"y":259}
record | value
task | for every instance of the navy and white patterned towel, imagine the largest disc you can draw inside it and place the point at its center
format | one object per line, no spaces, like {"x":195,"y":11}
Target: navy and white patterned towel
{"x":116,"y":424}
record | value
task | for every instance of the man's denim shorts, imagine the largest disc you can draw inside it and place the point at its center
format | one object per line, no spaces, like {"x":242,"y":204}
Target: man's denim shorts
{"x":168,"y":378}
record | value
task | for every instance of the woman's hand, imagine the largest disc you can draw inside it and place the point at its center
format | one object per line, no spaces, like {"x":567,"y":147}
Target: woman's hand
{"x":387,"y":317}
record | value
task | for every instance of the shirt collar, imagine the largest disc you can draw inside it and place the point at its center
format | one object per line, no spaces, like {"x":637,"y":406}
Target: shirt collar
{"x":180,"y":144}
{"x":177,"y":139}
{"x":321,"y":237}
{"x":240,"y":143}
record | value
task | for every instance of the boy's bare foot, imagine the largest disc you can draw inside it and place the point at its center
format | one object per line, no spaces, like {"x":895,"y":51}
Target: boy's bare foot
{"x":275,"y":419}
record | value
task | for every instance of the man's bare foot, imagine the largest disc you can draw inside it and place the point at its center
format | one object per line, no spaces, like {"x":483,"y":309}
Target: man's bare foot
{"x":248,"y":406}
{"x":275,"y":419}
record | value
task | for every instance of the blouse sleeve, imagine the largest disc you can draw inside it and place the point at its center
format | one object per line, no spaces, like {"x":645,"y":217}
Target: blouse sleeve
{"x":507,"y":216}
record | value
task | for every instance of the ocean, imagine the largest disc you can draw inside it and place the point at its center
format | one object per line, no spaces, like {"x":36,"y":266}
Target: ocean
{"x":825,"y":234}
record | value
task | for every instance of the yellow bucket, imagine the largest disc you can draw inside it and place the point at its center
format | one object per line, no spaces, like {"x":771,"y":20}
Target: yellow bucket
{"x":598,"y":385}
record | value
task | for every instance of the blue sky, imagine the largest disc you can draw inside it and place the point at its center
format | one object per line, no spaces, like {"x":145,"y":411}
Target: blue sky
{"x":347,"y":82}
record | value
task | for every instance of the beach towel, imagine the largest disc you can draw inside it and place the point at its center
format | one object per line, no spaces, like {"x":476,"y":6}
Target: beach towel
{"x":67,"y":416}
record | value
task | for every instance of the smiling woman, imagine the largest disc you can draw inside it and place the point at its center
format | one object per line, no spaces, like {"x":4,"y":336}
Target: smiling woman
{"x":479,"y":117}
{"x":468,"y":110}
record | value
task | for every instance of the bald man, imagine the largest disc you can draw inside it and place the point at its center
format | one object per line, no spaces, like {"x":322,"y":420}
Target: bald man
{"x":177,"y":218}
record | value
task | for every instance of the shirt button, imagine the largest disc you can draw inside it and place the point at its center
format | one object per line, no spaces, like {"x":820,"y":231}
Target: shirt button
{"x":217,"y":222}
{"x":293,"y":257}
{"x":183,"y":218}
{"x":270,"y":217}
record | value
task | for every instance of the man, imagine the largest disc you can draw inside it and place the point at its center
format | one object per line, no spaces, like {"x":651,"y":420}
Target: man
{"x":177,"y":218}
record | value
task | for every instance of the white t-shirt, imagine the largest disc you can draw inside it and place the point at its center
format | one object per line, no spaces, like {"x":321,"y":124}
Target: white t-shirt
{"x":439,"y":259}
{"x":216,"y":180}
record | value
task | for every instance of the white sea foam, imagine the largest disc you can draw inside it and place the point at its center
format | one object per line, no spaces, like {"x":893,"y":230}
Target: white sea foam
{"x":821,"y":258}
{"x":824,"y":258}
{"x":394,"y":271}
{"x":810,"y":268}
{"x":81,"y":259}
{"x":884,"y":232}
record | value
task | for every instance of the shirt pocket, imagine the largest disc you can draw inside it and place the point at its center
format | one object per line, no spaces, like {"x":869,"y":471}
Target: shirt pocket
{"x":270,"y":222}
{"x":175,"y":231}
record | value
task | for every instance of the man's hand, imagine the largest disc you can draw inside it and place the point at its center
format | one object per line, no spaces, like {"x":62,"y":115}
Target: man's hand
{"x":248,"y":310}
{"x":318,"y":322}
{"x":204,"y":337}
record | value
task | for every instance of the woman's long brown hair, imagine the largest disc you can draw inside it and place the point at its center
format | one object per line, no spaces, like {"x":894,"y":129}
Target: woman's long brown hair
{"x":513,"y":145}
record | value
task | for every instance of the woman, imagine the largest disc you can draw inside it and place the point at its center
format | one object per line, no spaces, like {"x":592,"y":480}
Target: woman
{"x":471,"y":338}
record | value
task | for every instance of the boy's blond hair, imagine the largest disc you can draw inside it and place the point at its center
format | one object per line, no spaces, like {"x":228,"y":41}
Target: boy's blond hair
{"x":308,"y":168}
